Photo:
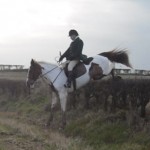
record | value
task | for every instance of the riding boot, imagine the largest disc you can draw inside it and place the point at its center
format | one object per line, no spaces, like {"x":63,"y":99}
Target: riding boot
{"x":70,"y":78}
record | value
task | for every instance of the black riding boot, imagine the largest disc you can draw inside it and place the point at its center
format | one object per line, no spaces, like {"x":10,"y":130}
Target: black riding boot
{"x":70,"y":78}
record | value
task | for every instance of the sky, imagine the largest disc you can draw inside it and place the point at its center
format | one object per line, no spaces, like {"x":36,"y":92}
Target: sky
{"x":39,"y":29}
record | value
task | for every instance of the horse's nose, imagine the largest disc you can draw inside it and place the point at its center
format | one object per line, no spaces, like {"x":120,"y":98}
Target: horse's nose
{"x":30,"y":83}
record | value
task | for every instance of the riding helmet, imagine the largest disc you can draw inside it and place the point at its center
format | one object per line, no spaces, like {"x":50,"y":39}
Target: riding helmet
{"x":73,"y":32}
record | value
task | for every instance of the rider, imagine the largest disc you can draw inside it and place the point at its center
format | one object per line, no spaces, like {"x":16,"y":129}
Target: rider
{"x":73,"y":54}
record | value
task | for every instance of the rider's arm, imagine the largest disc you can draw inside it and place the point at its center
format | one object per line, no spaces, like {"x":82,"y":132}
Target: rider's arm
{"x":64,"y":55}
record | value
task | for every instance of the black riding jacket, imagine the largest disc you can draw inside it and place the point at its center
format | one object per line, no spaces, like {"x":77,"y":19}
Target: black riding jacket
{"x":74,"y":51}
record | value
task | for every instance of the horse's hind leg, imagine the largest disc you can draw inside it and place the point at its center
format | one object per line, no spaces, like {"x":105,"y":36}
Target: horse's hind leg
{"x":112,"y":73}
{"x":53,"y":104}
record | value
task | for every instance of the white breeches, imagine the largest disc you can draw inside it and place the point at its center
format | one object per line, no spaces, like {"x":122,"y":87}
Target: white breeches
{"x":72,"y":64}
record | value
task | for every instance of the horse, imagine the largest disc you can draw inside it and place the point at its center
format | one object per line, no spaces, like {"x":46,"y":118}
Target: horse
{"x":101,"y":65}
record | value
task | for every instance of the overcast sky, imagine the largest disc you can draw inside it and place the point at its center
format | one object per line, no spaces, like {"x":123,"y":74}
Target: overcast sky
{"x":39,"y":28}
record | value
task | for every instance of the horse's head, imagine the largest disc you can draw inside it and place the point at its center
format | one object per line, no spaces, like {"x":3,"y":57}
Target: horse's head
{"x":34,"y":72}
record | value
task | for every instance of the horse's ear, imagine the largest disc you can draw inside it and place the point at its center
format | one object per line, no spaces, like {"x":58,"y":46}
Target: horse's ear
{"x":32,"y":62}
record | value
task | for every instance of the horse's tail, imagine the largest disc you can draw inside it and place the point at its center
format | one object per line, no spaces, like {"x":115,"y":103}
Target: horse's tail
{"x":118,"y":56}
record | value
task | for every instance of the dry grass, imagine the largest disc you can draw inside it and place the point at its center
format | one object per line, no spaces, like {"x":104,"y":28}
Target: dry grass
{"x":29,"y":136}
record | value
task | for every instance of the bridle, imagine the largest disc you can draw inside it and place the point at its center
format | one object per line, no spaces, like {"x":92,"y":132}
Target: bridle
{"x":33,"y":75}
{"x":36,"y":72}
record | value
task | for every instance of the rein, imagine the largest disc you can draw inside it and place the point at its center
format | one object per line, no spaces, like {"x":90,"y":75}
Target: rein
{"x":48,"y":71}
{"x":57,"y":76}
{"x":51,"y":71}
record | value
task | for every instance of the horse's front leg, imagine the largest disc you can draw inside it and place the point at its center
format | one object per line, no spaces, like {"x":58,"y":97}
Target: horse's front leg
{"x":63,"y":101}
{"x":54,"y":100}
{"x":63,"y":121}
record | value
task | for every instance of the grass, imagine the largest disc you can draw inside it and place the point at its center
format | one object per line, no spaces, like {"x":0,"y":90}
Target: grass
{"x":101,"y":133}
{"x":33,"y":137}
{"x":93,"y":130}
{"x":22,"y":119}
{"x":5,"y":130}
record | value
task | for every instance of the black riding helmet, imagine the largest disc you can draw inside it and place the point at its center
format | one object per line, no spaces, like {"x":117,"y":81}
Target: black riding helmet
{"x":73,"y":32}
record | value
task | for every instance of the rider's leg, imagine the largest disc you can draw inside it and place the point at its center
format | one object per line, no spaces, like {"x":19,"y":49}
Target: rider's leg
{"x":71,"y":65}
{"x":63,"y":65}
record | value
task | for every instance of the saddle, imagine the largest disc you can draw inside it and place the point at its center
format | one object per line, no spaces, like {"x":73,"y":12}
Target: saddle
{"x":78,"y":70}
{"x":95,"y":71}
